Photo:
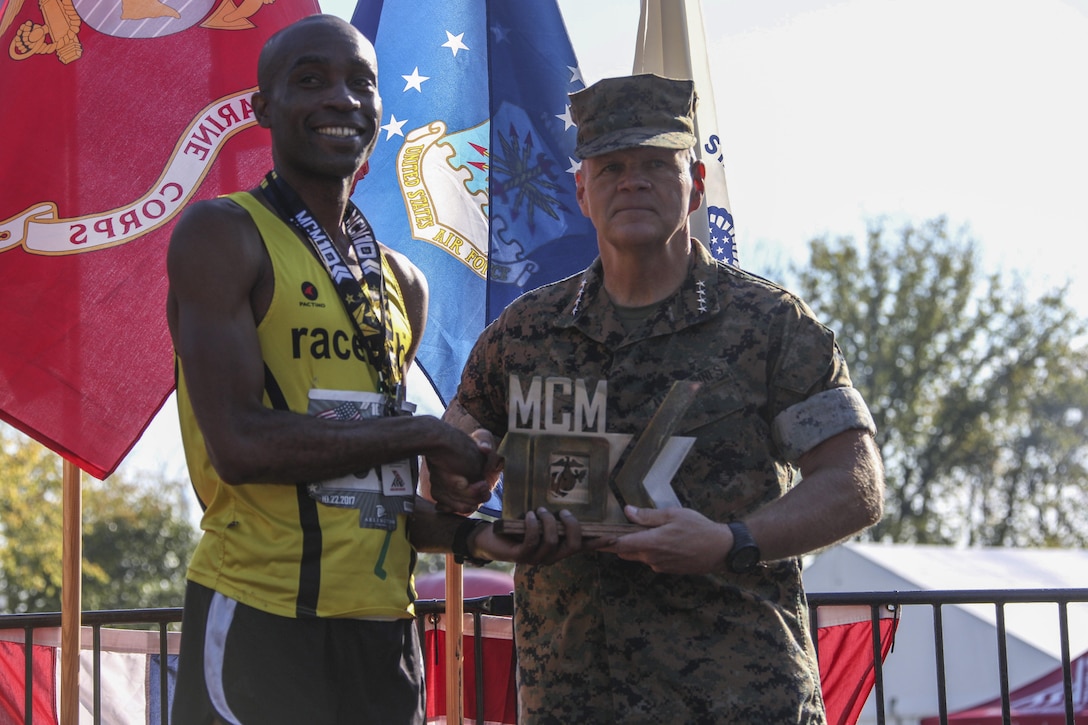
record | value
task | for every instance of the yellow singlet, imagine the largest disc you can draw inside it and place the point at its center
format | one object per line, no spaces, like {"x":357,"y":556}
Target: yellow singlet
{"x":273,"y":547}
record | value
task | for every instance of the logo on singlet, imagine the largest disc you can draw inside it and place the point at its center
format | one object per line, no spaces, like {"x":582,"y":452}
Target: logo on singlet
{"x":309,"y":292}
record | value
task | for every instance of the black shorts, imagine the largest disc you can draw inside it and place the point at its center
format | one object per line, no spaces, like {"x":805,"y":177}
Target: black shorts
{"x":242,"y":665}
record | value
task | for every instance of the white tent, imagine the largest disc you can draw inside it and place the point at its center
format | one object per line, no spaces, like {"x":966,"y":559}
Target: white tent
{"x":970,"y":631}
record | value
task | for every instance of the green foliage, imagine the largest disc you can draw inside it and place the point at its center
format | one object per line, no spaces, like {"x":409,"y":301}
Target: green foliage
{"x":137,"y":538}
{"x":30,"y":526}
{"x":980,"y":394}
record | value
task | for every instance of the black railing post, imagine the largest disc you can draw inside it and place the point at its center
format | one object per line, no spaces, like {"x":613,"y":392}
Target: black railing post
{"x":1003,"y":663}
{"x":164,"y":675}
{"x":1067,"y":678}
{"x":814,"y":629}
{"x":938,"y":648}
{"x":28,"y":675}
{"x":878,"y":662}
{"x":96,"y":676}
{"x":478,"y":650}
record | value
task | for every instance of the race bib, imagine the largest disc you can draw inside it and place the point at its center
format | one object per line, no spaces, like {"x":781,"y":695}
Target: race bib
{"x":381,"y":493}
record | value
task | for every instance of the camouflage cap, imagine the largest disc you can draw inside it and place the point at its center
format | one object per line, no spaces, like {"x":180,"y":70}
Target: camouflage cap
{"x":642,"y":110}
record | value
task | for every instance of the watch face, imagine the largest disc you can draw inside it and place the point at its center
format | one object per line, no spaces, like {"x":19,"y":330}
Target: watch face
{"x":745,"y":554}
{"x":744,"y":559}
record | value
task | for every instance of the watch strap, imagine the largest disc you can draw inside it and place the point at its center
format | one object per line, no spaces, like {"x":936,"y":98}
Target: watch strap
{"x":745,"y":554}
{"x":459,"y":548}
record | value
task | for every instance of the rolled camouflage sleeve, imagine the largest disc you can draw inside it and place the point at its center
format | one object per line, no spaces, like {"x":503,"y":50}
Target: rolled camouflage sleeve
{"x":803,"y":426}
{"x":482,"y":390}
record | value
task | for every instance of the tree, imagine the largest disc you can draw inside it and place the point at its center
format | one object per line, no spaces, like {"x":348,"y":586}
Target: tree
{"x":980,"y":394}
{"x":137,"y":538}
{"x":137,"y":542}
{"x":30,"y":526}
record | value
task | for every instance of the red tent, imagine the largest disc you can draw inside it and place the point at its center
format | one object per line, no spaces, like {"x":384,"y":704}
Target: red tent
{"x":477,"y":583}
{"x":1041,"y":702}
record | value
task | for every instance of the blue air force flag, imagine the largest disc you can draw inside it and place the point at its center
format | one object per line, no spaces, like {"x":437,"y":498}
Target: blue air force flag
{"x":473,"y":173}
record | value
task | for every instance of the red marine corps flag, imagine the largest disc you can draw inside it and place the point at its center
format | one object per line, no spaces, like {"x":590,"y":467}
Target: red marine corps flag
{"x":116,"y":115}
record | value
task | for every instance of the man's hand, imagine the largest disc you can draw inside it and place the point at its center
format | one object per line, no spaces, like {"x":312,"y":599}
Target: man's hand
{"x":459,"y":493}
{"x":540,"y":545}
{"x":679,"y":541}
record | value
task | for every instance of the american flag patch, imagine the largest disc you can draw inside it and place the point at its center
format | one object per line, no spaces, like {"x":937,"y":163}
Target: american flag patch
{"x":343,"y":411}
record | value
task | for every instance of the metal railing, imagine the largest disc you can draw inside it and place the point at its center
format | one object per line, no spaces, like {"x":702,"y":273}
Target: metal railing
{"x":95,"y":620}
{"x":503,"y":606}
{"x":937,"y":600}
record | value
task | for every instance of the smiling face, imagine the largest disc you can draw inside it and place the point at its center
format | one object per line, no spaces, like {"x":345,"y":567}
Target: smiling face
{"x":319,"y":98}
{"x":638,"y":198}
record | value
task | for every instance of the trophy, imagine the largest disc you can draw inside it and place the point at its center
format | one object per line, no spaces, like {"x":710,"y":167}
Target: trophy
{"x":574,"y":470}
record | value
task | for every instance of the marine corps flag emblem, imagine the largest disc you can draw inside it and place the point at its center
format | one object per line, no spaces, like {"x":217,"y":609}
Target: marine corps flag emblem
{"x":116,"y":115}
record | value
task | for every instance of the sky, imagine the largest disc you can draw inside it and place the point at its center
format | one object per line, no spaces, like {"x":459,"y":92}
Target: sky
{"x":835,"y":113}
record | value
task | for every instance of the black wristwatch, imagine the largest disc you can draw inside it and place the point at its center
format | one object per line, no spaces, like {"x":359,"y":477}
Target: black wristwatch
{"x":460,"y":542}
{"x":745,"y":555}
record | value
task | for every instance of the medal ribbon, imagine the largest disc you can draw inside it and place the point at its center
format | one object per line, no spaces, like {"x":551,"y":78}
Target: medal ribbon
{"x":365,"y":299}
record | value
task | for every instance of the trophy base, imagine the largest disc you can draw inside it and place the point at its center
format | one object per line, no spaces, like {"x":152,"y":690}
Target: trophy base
{"x":516,"y":528}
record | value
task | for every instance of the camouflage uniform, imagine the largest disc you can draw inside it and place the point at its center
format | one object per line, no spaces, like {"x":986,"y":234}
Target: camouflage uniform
{"x":603,"y":640}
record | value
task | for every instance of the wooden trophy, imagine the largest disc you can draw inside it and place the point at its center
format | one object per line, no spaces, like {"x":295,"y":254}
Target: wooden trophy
{"x":574,"y":471}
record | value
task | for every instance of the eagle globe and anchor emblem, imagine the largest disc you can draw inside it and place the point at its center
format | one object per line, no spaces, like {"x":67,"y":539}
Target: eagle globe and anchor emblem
{"x":43,"y":227}
{"x":62,"y":20}
{"x":444,"y":182}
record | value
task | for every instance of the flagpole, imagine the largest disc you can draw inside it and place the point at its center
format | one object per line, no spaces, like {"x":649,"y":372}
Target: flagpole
{"x":455,"y":624}
{"x":71,"y":589}
{"x":671,"y":42}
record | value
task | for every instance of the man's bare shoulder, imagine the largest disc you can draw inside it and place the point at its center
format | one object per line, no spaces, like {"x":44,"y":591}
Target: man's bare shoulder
{"x":413,"y":287}
{"x":212,"y":221}
{"x":216,"y":246}
{"x":409,"y":276}
{"x":216,"y":231}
